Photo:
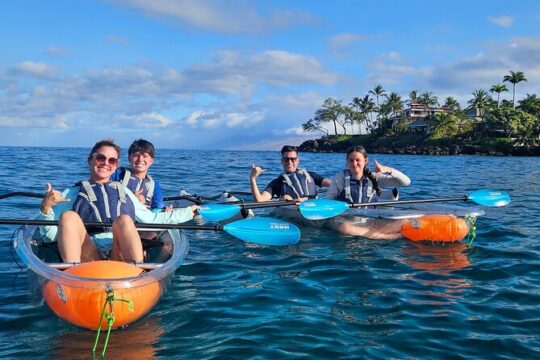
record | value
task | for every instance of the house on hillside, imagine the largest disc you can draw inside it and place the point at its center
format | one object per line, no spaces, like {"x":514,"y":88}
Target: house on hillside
{"x":415,"y":117}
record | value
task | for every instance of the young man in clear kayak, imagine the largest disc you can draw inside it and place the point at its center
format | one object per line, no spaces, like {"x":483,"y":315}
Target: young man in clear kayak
{"x":293,"y":184}
{"x":136,"y":178}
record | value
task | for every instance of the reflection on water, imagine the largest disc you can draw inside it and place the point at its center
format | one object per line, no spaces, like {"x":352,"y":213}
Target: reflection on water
{"x":136,"y":342}
{"x":440,"y":259}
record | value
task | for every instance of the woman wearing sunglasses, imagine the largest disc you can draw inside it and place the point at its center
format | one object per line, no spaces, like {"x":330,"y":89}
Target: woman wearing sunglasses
{"x":103,"y":201}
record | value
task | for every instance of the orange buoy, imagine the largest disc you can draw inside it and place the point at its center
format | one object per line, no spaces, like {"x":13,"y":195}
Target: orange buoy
{"x":81,"y":302}
{"x":435,"y":227}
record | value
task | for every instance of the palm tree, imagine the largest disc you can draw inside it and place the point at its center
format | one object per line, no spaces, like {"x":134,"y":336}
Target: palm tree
{"x":413,"y":96}
{"x":498,"y":88}
{"x":531,"y":104}
{"x":378,"y":91}
{"x":366,"y":106}
{"x":451,"y":103}
{"x":514,"y":78}
{"x":479,"y":101}
{"x":428,"y":98}
{"x":395,"y":103}
{"x":394,"y":106}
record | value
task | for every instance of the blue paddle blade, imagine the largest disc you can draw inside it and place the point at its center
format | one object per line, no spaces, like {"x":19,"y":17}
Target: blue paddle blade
{"x":318,"y":209}
{"x":265,"y":231}
{"x":218,"y":212}
{"x":486,"y":197}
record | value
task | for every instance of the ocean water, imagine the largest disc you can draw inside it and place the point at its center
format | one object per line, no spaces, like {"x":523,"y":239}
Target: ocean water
{"x":329,"y":296}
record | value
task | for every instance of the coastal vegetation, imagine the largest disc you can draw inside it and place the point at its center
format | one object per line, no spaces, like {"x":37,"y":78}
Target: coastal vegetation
{"x":384,"y":122}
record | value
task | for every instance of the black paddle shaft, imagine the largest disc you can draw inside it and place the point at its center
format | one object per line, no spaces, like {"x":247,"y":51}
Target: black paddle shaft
{"x":21,"y":193}
{"x":98,"y":224}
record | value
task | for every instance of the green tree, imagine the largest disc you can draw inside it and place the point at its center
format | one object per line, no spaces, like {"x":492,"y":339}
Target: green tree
{"x":427,"y":98}
{"x":365,"y":106}
{"x":514,"y":78}
{"x":480,"y":101}
{"x":451,"y":103}
{"x":524,"y":128}
{"x":413,"y":97}
{"x":313,"y":125}
{"x":395,"y":103}
{"x":331,"y":111}
{"x":378,"y":91}
{"x":531,"y":105}
{"x":498,"y":88}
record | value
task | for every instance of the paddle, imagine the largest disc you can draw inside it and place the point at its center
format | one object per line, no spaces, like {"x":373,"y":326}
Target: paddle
{"x":318,"y":209}
{"x":21,"y":193}
{"x":264,"y":230}
{"x":217,"y":212}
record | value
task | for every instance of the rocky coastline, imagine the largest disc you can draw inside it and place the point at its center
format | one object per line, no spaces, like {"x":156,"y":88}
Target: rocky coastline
{"x":330,"y":144}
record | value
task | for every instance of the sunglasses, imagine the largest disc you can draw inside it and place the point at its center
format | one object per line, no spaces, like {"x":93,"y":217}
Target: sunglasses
{"x":102,"y":159}
{"x":293,"y":159}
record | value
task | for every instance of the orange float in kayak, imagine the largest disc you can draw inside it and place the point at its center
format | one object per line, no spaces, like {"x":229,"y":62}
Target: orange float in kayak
{"x":436,"y":227}
{"x":81,"y":304}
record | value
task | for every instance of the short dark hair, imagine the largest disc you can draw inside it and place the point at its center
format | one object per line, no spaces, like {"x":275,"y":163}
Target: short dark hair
{"x":102,"y":143}
{"x":141,"y":145}
{"x":288,"y":148}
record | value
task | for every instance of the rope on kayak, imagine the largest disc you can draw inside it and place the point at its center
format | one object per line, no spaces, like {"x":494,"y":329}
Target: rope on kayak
{"x":471,"y":220}
{"x":110,"y":319}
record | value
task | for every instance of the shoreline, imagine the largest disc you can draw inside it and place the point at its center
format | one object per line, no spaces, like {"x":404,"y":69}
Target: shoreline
{"x":331,"y":144}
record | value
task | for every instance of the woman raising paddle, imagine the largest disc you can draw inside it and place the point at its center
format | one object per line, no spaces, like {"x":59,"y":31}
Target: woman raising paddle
{"x":357,"y":184}
{"x":103,"y":201}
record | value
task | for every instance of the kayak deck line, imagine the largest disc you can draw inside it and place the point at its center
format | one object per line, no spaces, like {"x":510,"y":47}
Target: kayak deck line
{"x":143,"y":266}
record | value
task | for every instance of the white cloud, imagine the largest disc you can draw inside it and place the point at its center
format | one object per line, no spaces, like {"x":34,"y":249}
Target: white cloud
{"x":227,"y":17}
{"x":209,"y":120}
{"x":346,"y":39}
{"x":56,"y":51}
{"x":342,"y":45}
{"x":502,"y":21}
{"x":117,"y":40}
{"x":36,"y":68}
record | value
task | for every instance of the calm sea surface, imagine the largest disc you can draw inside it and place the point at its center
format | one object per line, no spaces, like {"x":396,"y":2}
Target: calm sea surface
{"x":328,"y":296}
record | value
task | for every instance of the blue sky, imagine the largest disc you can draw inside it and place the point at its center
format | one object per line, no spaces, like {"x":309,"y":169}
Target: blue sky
{"x":240,"y":74}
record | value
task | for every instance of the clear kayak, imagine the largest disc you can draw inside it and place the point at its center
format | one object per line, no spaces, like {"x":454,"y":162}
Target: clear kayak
{"x":418,"y":222}
{"x":79,"y":293}
{"x":410,"y":211}
{"x":395,"y":212}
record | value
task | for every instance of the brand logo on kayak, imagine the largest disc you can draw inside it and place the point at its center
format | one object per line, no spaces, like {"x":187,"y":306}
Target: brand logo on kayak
{"x":279,"y":226}
{"x":309,"y":204}
{"x":415,"y":223}
{"x":60,"y":293}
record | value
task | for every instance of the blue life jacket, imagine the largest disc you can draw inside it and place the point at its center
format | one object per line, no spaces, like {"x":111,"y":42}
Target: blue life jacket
{"x":298,"y":184}
{"x":102,"y":203}
{"x":356,"y":191}
{"x":135,"y":184}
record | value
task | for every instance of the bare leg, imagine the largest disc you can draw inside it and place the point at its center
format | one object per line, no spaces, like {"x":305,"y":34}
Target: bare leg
{"x":379,"y":230}
{"x":73,"y":241}
{"x":127,"y":244}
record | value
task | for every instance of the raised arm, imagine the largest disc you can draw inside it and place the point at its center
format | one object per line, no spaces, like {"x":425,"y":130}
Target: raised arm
{"x":388,"y":176}
{"x":257,"y":195}
{"x":61,"y":202}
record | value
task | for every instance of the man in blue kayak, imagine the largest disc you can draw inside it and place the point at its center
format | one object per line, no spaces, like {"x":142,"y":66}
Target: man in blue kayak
{"x":293,"y":184}
{"x":136,"y":178}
